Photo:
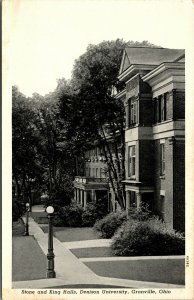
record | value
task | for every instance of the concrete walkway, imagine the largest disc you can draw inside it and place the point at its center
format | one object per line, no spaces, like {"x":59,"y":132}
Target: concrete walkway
{"x":38,"y":208}
{"x":87,"y":244}
{"x":70,"y":270}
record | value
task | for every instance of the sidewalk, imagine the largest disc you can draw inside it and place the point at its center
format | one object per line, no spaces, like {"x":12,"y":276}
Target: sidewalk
{"x":70,"y":271}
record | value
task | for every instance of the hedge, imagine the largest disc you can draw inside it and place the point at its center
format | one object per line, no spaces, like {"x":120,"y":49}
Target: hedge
{"x":149,"y":237}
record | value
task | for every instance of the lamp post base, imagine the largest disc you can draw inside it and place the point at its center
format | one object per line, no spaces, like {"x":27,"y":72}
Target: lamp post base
{"x":50,"y":274}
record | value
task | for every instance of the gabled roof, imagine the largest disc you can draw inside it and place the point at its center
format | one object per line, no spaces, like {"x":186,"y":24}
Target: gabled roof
{"x":148,"y":56}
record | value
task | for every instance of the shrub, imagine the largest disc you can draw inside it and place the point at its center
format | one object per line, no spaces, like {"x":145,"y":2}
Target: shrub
{"x":57,"y":203}
{"x":89,"y":215}
{"x":18,"y":210}
{"x":93,"y":212}
{"x":72,"y":215}
{"x":141,"y":213}
{"x":149,"y":237}
{"x":58,"y":221}
{"x":110,"y":223}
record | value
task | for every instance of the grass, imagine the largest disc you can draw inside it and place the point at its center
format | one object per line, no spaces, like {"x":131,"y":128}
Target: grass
{"x":161,"y":270}
{"x":40,"y":217}
{"x":71,"y":234}
{"x":28,"y":259}
{"x":18,"y":228}
{"x":92,"y":252}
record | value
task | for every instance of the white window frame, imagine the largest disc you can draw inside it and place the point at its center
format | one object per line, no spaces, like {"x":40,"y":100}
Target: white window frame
{"x":132,"y":161}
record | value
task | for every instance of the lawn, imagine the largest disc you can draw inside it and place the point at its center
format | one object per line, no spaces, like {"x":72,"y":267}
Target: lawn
{"x":72,"y":234}
{"x":153,"y":270}
{"x":28,"y":260}
{"x":18,"y":228}
{"x":92,"y":252}
{"x":40,"y":217}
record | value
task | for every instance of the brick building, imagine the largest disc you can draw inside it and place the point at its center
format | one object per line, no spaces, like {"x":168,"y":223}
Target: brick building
{"x":94,"y":183}
{"x":154,"y":99}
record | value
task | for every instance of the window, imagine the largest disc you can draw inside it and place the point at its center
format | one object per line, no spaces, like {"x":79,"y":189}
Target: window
{"x":158,"y":118}
{"x":89,"y":172}
{"x":163,"y":108}
{"x":96,"y":172}
{"x":133,"y":113}
{"x":160,"y":108}
{"x":131,"y":170}
{"x":162,"y":159}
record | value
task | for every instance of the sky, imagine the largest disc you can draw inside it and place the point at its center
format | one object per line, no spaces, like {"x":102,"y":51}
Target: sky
{"x":47,"y":36}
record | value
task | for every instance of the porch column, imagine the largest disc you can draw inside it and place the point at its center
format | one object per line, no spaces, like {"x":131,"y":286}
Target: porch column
{"x":127,"y":114}
{"x":85,"y":198}
{"x":78,"y":198}
{"x":81,"y":197}
{"x":93,"y":195}
{"x":127,"y":203}
{"x":75,"y":195}
{"x":138,"y":197}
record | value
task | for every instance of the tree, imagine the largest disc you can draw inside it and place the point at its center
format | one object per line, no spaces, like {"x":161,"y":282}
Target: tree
{"x":27,"y":170}
{"x":53,"y":149}
{"x":92,"y":110}
{"x":40,"y":154}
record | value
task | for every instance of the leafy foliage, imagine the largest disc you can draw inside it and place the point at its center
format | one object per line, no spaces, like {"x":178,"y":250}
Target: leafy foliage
{"x":94,"y":75}
{"x":51,"y":133}
{"x":110,"y":223}
{"x":142,"y":213}
{"x":17,"y":210}
{"x":27,"y":170}
{"x":93,"y":212}
{"x":149,"y":237}
{"x":41,"y":160}
{"x":72,"y":215}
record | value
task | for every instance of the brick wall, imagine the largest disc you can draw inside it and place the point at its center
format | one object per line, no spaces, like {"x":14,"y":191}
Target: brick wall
{"x":145,"y":111}
{"x":179,"y":105}
{"x":144,"y":87}
{"x":164,"y":183}
{"x":179,"y":185}
{"x":146,"y":166}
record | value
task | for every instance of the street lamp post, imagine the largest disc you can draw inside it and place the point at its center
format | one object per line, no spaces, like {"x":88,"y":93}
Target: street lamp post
{"x":50,"y":255}
{"x":26,"y":233}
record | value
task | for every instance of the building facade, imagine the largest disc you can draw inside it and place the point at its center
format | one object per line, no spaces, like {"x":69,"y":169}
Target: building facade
{"x":154,"y":99}
{"x":93,"y":185}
